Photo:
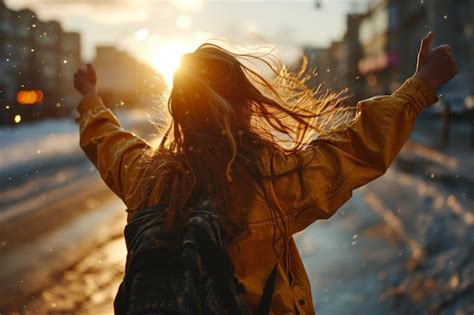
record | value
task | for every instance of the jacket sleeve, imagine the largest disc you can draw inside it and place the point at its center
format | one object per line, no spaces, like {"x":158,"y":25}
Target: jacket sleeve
{"x":329,"y":170}
{"x":113,"y":151}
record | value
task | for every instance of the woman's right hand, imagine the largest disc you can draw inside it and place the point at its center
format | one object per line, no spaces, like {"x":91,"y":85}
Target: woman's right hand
{"x":435,"y":66}
{"x":85,"y":80}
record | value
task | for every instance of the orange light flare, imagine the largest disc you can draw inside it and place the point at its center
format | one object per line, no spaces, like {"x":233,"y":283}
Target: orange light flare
{"x":29,"y":97}
{"x":166,"y":58}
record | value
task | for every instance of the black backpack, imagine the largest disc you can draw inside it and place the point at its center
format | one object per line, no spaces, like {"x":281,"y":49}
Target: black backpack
{"x":195,"y":277}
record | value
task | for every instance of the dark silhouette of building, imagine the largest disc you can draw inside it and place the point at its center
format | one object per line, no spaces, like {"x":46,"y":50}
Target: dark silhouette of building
{"x":124,"y":81}
{"x":318,"y":67}
{"x":336,"y":68}
{"x":375,"y":61}
{"x":38,"y":56}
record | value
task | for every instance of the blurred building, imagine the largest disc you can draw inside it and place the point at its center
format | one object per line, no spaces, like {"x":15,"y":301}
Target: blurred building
{"x":67,"y":63}
{"x":124,"y":81}
{"x":375,"y":61}
{"x":7,"y":59}
{"x":318,"y":67}
{"x":37,"y":57}
{"x":339,"y":64}
{"x":354,"y":54}
{"x":336,"y":68}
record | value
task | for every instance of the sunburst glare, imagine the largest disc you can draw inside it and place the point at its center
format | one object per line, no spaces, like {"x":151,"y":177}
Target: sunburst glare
{"x":166,"y":59}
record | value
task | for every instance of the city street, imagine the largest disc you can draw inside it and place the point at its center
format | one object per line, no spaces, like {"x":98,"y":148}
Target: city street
{"x":229,"y":76}
{"x":402,"y":245}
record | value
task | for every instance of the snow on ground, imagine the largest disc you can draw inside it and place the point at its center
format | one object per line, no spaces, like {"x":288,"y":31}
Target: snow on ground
{"x":30,"y":143}
{"x":42,"y":156}
{"x":48,"y":139}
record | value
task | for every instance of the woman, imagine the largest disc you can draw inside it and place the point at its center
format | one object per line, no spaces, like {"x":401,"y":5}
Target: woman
{"x":275,"y":157}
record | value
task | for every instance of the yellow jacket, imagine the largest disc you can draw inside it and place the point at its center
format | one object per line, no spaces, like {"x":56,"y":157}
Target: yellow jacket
{"x":329,"y":171}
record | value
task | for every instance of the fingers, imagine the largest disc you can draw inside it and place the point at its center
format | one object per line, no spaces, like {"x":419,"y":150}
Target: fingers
{"x":78,"y":79}
{"x":88,"y":71}
{"x":445,"y":62}
{"x":86,"y":74}
{"x":426,"y":42}
{"x":425,"y":45}
{"x":447,"y":49}
{"x":81,"y":72}
{"x":92,"y":73}
{"x":90,"y":68}
{"x":437,"y":65}
{"x":451,"y":60}
{"x":81,"y":78}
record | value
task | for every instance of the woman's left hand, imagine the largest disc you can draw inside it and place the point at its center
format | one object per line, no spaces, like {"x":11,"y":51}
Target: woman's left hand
{"x":85,"y":80}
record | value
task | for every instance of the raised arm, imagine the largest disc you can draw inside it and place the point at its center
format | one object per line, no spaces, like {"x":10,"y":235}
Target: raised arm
{"x":114,"y":151}
{"x":332,"y":168}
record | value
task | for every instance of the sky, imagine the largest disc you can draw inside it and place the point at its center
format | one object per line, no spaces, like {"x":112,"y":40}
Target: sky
{"x":156,"y":31}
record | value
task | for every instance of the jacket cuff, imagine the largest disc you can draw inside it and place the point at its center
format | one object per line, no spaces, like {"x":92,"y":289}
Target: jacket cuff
{"x":423,"y":94}
{"x":90,"y":102}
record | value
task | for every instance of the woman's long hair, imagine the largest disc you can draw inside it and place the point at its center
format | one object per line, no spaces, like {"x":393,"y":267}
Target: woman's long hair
{"x":223,"y":115}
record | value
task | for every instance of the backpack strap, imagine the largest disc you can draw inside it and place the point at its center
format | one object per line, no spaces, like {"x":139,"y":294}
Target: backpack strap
{"x":266,"y":300}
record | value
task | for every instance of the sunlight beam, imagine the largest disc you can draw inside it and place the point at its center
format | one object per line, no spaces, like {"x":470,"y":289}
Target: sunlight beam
{"x":166,"y":58}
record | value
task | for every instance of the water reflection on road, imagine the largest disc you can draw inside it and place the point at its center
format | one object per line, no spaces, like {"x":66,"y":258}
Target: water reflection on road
{"x":87,"y":288}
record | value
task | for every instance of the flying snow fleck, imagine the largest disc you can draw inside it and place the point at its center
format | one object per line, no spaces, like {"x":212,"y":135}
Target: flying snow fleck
{"x":91,"y":203}
{"x":17,"y":119}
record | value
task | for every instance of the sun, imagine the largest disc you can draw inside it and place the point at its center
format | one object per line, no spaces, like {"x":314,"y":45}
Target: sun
{"x":166,"y":59}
